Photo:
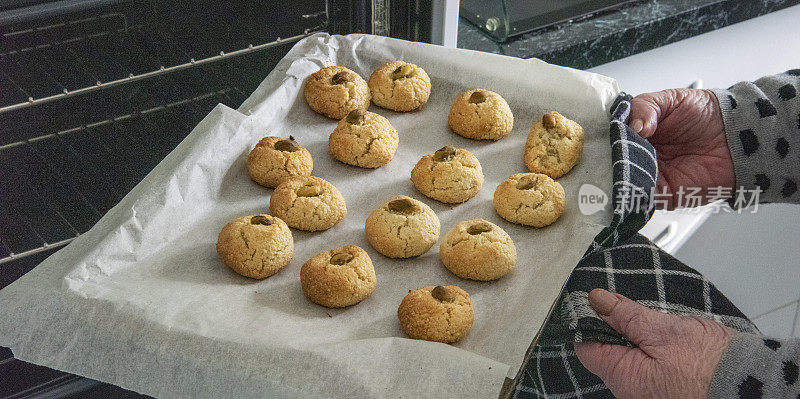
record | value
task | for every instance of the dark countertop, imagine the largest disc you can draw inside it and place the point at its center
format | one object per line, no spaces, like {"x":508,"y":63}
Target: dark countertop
{"x":630,"y":30}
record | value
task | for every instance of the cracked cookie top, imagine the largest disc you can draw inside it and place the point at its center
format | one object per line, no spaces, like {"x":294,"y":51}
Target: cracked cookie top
{"x":337,"y":278}
{"x":478,"y":250}
{"x":275,"y":158}
{"x":554,"y":145}
{"x":441,"y":314}
{"x":400,"y":86}
{"x":308,"y":203}
{"x":335,"y":90}
{"x":363,"y":139}
{"x":255,"y":246}
{"x":402,"y":227}
{"x":450,"y":175}
{"x":531,"y":199}
{"x":480,"y":114}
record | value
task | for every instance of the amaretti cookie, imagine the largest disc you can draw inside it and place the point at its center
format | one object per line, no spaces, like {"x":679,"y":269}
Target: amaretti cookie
{"x":478,"y":250}
{"x":363,"y":139}
{"x":480,"y":114}
{"x":402,"y":227}
{"x":441,"y":314}
{"x":400,"y":86}
{"x":334,"y":91}
{"x":308,"y":203}
{"x":275,"y":158}
{"x":256,"y":246}
{"x":554,"y":145}
{"x":531,"y":199}
{"x":450,"y":175}
{"x":339,"y":277}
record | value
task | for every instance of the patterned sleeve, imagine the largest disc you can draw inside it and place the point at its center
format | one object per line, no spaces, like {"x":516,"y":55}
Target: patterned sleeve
{"x":757,"y":367}
{"x":762,"y":125}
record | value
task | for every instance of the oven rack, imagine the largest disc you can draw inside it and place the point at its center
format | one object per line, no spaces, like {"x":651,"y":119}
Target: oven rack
{"x":36,"y":68}
{"x":48,"y":207}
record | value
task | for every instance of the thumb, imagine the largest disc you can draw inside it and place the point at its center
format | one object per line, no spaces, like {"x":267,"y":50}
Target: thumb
{"x":634,"y":321}
{"x":648,"y":109}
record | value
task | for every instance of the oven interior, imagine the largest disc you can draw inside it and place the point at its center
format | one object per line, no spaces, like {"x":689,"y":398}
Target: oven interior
{"x":92,"y":100}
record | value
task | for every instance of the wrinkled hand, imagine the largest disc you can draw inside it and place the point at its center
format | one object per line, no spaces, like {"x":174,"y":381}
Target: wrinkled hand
{"x":685,"y":126}
{"x":674,"y":357}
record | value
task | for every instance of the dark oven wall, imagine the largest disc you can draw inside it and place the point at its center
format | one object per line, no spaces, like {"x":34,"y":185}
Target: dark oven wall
{"x":124,"y":41}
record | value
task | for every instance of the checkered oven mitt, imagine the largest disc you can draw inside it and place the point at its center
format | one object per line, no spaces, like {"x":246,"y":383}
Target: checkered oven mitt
{"x":619,"y":260}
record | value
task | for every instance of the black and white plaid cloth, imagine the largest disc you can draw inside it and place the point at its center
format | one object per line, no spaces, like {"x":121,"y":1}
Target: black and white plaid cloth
{"x":619,"y":260}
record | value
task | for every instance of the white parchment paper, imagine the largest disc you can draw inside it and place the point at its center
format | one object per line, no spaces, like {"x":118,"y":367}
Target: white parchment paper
{"x":142,"y":301}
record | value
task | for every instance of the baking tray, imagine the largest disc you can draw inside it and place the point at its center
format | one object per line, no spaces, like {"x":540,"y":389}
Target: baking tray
{"x":142,"y":301}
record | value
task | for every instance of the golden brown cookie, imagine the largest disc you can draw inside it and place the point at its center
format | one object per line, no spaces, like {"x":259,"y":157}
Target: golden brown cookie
{"x":441,"y":314}
{"x":363,"y":139}
{"x":308,"y":203}
{"x":400,"y":86}
{"x":532,"y":199}
{"x":450,"y":175}
{"x":275,"y":158}
{"x":402,"y":227}
{"x":554,"y":145}
{"x":334,"y":91}
{"x":478,"y":250}
{"x":480,"y":114}
{"x":255,"y":246}
{"x":339,"y":277}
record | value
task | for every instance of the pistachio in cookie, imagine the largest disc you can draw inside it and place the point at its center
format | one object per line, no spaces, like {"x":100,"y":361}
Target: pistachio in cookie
{"x":255,"y":246}
{"x":440,"y":313}
{"x":531,"y":199}
{"x":308,"y":203}
{"x":478,"y":250}
{"x":334,"y":91}
{"x":554,"y":145}
{"x":400,"y":86}
{"x":402,"y":227}
{"x":481,"y":115}
{"x":275,"y":158}
{"x":363,"y":139}
{"x":450,"y":175}
{"x":337,"y":278}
